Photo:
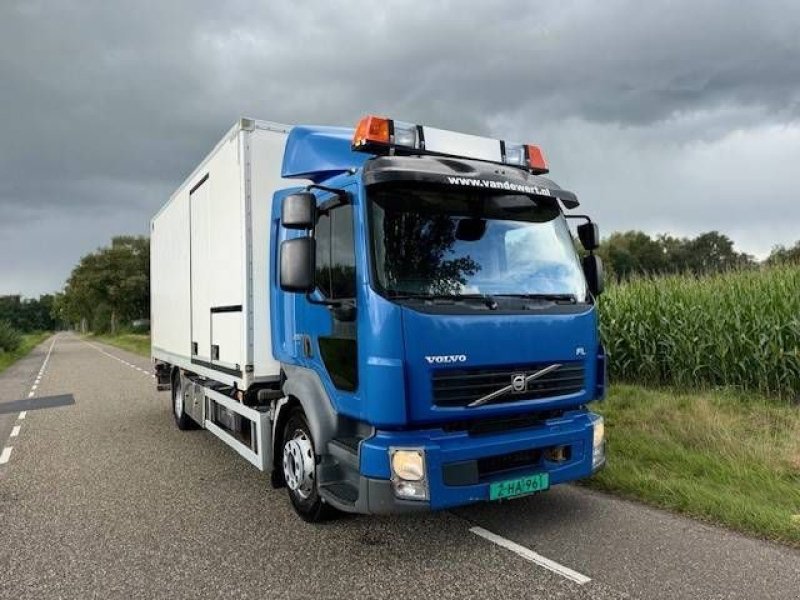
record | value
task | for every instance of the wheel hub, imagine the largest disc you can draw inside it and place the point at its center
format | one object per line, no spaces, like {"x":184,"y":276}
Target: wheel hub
{"x":298,"y":464}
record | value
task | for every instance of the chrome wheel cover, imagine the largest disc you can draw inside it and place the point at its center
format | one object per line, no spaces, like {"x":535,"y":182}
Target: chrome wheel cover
{"x":298,"y":464}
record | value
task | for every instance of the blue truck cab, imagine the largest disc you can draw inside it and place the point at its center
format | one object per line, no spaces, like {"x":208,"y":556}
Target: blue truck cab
{"x":436,"y":328}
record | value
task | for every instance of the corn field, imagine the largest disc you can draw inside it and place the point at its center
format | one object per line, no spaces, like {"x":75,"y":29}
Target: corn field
{"x":739,"y":329}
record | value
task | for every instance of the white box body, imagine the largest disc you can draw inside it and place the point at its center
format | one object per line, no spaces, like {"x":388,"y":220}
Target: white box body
{"x":209,"y":260}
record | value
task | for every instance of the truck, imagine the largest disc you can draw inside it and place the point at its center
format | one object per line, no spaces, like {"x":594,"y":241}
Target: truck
{"x":383,"y":318}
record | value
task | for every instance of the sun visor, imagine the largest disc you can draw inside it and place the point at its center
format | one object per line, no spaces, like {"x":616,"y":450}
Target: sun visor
{"x":463,"y":174}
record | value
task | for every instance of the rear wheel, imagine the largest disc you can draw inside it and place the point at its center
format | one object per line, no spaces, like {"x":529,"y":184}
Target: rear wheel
{"x":300,"y":469}
{"x":182,"y":420}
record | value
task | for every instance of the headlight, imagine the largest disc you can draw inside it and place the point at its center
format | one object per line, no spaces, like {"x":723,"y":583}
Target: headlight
{"x":408,"y":464}
{"x":599,"y":443}
{"x":599,"y":432}
{"x":408,"y":473}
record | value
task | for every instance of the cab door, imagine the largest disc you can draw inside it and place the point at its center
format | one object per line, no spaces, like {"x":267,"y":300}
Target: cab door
{"x":330,"y":314}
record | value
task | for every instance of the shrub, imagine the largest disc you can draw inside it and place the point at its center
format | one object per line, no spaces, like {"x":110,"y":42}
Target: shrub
{"x":10,"y":338}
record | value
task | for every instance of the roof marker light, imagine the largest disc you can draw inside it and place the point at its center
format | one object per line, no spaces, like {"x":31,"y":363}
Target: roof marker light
{"x":536,"y":161}
{"x":515,"y":155}
{"x":380,"y":135}
{"x":372,"y":130}
{"x":406,"y":134}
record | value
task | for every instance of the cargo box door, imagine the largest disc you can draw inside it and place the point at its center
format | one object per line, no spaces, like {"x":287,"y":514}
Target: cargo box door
{"x":217,"y":269}
{"x":226,"y":336}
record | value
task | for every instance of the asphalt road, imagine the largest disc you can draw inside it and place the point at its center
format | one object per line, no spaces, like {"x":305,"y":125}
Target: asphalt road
{"x":106,"y":498}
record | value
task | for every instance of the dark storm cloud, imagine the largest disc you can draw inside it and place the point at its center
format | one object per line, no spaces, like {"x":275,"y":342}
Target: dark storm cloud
{"x":107,"y":105}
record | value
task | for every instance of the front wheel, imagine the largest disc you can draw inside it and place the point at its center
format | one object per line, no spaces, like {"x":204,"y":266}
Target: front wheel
{"x":300,"y":469}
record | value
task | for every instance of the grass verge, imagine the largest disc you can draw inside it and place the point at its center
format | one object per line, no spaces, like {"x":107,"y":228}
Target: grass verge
{"x":29,"y":342}
{"x":719,"y":456}
{"x":137,"y":343}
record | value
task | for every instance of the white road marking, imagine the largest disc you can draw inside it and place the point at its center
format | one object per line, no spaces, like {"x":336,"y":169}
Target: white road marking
{"x":6,"y":454}
{"x":119,"y":360}
{"x":532,"y":556}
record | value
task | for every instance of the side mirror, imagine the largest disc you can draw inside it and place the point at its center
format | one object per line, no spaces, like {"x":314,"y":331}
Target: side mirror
{"x":299,"y":211}
{"x":593,"y":270}
{"x":589,"y":234}
{"x":297,"y":265}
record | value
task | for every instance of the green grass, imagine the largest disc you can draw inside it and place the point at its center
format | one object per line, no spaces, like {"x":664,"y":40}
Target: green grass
{"x":137,"y":343}
{"x":739,"y":329}
{"x":719,"y":456}
{"x":29,"y":342}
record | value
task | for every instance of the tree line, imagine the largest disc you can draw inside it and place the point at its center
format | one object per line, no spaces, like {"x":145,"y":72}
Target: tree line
{"x":23,"y":315}
{"x":109,"y":289}
{"x":632,"y":253}
{"x":27,"y":314}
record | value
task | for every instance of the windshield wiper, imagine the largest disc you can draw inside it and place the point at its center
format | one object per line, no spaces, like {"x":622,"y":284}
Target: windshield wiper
{"x":488,"y":300}
{"x":568,"y":298}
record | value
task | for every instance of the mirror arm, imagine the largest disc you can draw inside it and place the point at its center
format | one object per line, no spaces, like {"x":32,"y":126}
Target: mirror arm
{"x":323,"y":302}
{"x":342,"y":197}
{"x":315,"y":186}
{"x":586,"y":218}
{"x":342,"y":310}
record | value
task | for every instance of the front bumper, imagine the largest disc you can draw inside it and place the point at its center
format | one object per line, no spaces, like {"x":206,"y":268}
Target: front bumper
{"x":461,"y":467}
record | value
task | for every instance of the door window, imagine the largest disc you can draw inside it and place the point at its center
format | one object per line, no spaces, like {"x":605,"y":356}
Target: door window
{"x":336,"y":261}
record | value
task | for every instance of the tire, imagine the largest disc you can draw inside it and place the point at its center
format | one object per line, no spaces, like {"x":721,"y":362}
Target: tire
{"x":182,"y":420}
{"x":298,"y":460}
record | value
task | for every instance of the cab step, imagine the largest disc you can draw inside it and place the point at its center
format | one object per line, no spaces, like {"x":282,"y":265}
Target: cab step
{"x":345,"y":451}
{"x":341,"y":494}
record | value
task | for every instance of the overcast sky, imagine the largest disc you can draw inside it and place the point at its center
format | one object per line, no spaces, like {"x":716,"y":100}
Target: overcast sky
{"x":679,"y":116}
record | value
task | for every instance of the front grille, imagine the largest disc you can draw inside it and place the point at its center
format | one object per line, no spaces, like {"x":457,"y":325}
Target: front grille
{"x":484,"y":425}
{"x":459,"y":387}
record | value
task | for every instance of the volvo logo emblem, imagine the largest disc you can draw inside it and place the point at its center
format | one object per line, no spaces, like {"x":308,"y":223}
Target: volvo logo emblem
{"x":518,"y":383}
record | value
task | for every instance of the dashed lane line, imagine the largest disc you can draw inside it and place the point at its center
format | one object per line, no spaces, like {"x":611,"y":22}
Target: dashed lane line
{"x":6,"y":454}
{"x":121,"y":360}
{"x":532,"y":556}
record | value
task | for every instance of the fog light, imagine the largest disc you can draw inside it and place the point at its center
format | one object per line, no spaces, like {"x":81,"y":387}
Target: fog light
{"x":410,"y":490}
{"x":558,"y":454}
{"x":408,"y":473}
{"x":599,"y":443}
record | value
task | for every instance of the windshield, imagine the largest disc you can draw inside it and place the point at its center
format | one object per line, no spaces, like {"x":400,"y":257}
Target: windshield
{"x":435,"y":242}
